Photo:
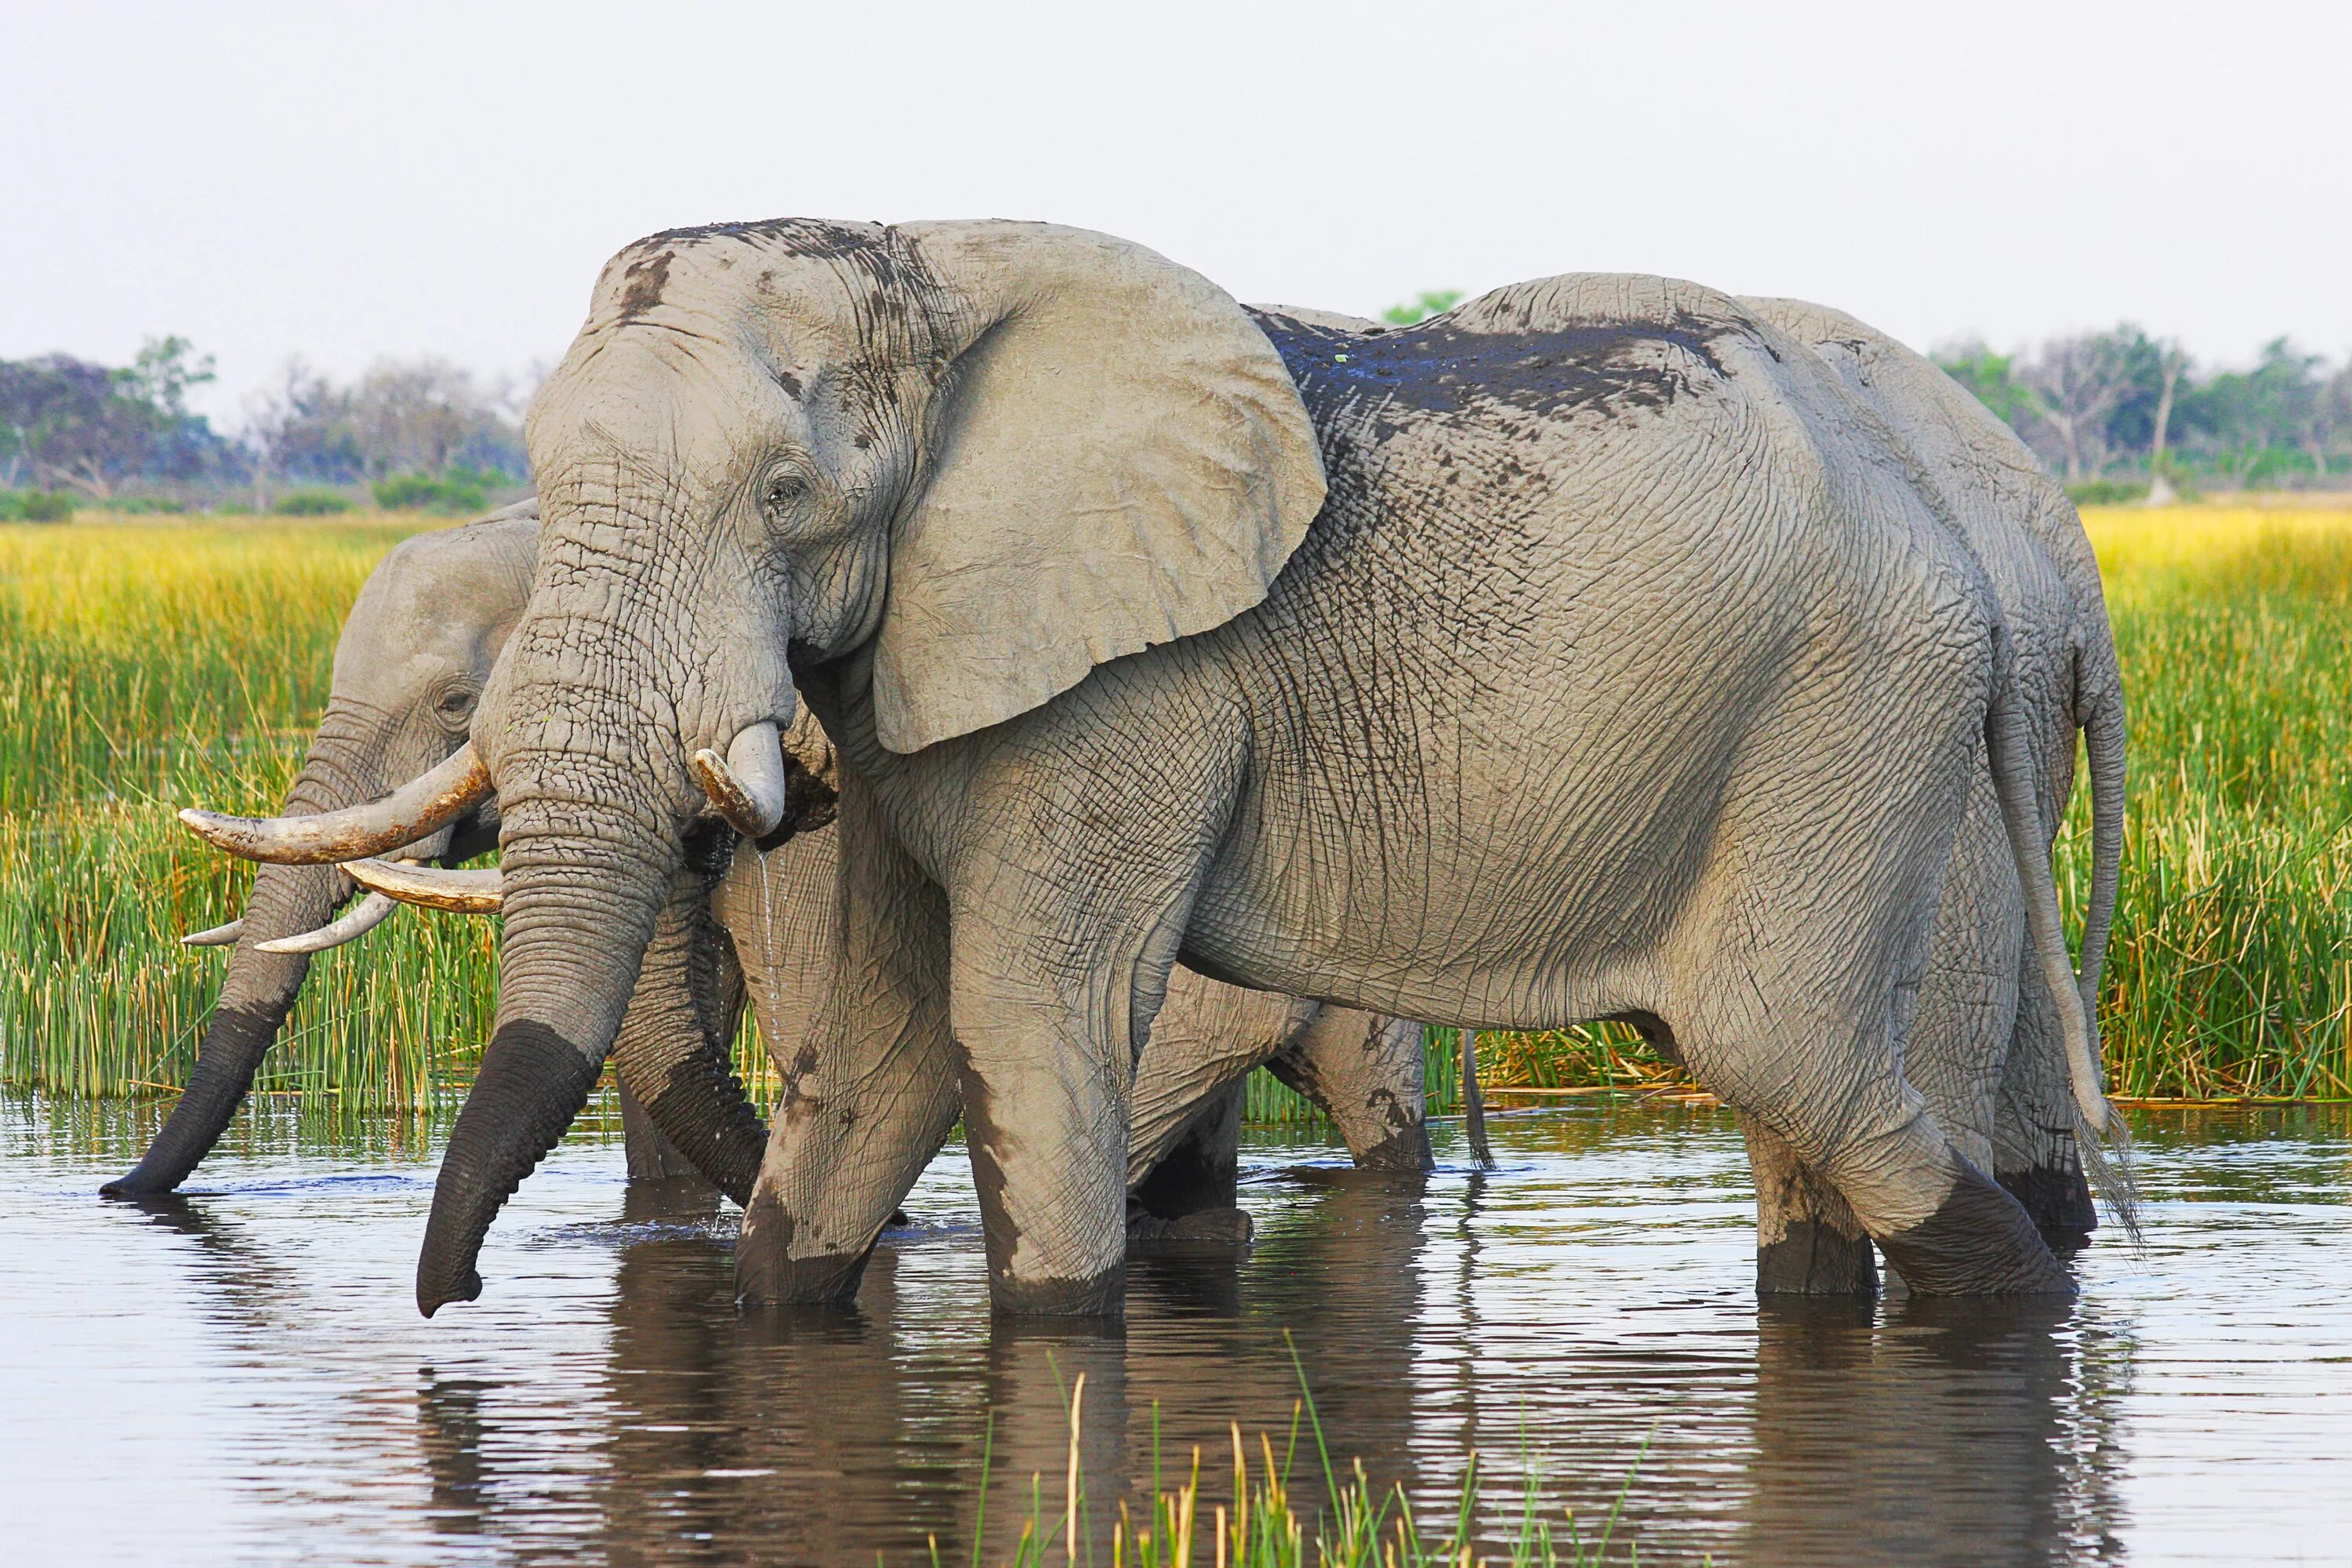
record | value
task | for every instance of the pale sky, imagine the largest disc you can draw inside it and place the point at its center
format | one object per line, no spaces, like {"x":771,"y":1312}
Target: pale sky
{"x":343,"y":181}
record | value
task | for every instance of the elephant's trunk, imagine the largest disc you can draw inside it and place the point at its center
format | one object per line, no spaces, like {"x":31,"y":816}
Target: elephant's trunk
{"x":583,"y":884}
{"x":286,"y":900}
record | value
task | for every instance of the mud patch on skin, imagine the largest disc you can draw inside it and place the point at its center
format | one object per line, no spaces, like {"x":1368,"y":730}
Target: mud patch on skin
{"x":1103,"y":1296}
{"x":1404,"y":1152}
{"x":645,"y":279}
{"x":2058,"y":1203}
{"x":1614,"y":369}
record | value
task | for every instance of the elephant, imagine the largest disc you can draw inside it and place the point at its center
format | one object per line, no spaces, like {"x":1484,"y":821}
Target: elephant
{"x":1151,"y":629}
{"x":1986,"y":1048}
{"x":410,"y":662}
{"x":431,"y":621}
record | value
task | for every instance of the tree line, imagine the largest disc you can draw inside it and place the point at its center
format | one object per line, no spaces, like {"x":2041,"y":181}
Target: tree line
{"x":2117,"y":411}
{"x":419,"y":432}
{"x":2112,"y":412}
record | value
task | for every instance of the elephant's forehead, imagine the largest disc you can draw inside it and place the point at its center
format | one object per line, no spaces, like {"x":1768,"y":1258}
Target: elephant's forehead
{"x":817,"y":262}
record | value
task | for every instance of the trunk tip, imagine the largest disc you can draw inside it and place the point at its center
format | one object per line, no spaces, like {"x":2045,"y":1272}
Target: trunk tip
{"x":432,"y":1296}
{"x":135,"y":1184}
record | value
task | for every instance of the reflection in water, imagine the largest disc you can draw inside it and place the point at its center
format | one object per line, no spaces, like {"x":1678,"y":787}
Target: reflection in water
{"x":250,"y":1354}
{"x":1947,"y":1432}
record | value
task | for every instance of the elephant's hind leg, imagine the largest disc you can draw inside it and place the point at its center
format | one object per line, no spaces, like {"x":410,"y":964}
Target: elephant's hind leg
{"x":1365,"y":1070}
{"x":1809,"y":1241}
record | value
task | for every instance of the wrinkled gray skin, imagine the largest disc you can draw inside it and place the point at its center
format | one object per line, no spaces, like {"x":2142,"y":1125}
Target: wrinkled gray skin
{"x":416,"y":649}
{"x":1363,"y":1070}
{"x":1625,"y":668}
{"x":1985,"y":1049}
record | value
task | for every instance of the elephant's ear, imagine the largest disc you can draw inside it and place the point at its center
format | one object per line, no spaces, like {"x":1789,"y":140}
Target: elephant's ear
{"x":1119,"y":458}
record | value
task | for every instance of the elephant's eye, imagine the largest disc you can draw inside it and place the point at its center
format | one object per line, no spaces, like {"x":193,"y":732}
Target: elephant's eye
{"x":456,"y":703}
{"x":786,"y":489}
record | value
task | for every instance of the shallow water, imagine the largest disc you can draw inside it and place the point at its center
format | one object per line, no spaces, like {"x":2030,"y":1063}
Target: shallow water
{"x":243,"y":1377}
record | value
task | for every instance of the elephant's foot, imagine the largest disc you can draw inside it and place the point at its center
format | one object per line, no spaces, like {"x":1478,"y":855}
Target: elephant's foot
{"x":1817,"y":1257}
{"x":1221,"y":1227}
{"x":1978,"y":1243}
{"x":766,"y":1274}
{"x":1103,"y":1296}
{"x":1809,"y":1240}
{"x":1403,"y":1152}
{"x":2057,"y":1199}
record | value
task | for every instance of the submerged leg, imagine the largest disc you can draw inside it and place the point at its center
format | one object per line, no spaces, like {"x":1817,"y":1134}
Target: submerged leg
{"x":1808,"y":1242}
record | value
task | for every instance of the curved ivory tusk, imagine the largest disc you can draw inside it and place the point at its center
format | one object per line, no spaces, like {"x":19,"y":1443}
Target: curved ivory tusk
{"x":219,"y":936}
{"x":453,"y":893}
{"x":426,"y":802}
{"x":748,"y":785}
{"x":373,"y":911}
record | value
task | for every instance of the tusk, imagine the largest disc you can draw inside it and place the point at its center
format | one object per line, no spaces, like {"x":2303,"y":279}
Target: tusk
{"x":219,"y":936}
{"x":426,"y":802}
{"x":748,"y":785}
{"x":373,"y":911}
{"x":453,"y":893}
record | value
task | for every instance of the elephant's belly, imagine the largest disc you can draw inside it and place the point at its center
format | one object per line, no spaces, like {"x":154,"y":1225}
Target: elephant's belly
{"x":1539,"y":891}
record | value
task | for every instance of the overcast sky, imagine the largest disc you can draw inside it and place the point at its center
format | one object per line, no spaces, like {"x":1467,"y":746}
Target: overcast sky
{"x":344,"y":182}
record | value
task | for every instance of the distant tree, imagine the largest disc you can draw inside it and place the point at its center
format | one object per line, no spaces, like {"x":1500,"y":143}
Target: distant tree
{"x":428,"y":416}
{"x":423,"y":418}
{"x":2084,"y":391}
{"x":2262,"y":422}
{"x":67,"y":422}
{"x":301,"y":429}
{"x":1991,"y":376}
{"x":1429,"y":303}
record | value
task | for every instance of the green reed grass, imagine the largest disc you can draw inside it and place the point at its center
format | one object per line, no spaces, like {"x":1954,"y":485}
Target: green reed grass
{"x":1269,"y":1522}
{"x":146,"y":666}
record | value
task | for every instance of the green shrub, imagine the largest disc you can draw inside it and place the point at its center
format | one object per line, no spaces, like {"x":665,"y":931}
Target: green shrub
{"x":2108,"y":492}
{"x":458,"y":490}
{"x":12,"y":507}
{"x":310,"y":503}
{"x":48,"y":506}
{"x":137,"y":506}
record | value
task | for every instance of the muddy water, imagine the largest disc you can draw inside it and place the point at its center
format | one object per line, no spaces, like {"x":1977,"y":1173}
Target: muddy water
{"x":243,"y":1377}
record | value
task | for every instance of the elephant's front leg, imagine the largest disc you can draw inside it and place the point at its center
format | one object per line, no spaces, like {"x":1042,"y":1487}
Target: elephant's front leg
{"x":870,"y":1085}
{"x":1809,"y":1241}
{"x":1047,"y":1027}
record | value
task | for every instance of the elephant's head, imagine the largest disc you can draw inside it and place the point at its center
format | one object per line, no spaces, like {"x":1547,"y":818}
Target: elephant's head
{"x":413,"y":657}
{"x":953,"y":466}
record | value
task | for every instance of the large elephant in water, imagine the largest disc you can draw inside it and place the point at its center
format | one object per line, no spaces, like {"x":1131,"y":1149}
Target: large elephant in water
{"x":1987,"y":1044}
{"x":1587,"y":651}
{"x":421,"y":642}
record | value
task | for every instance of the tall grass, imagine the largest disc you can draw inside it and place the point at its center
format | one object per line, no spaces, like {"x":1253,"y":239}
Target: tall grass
{"x":2231,"y":970}
{"x":145,"y":665}
{"x":148,"y":665}
{"x":1269,"y":1522}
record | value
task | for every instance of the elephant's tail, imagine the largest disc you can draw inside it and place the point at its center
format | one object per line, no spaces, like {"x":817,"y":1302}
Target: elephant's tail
{"x":2099,"y":1131}
{"x":1474,"y":1102}
{"x":2103,"y":739}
